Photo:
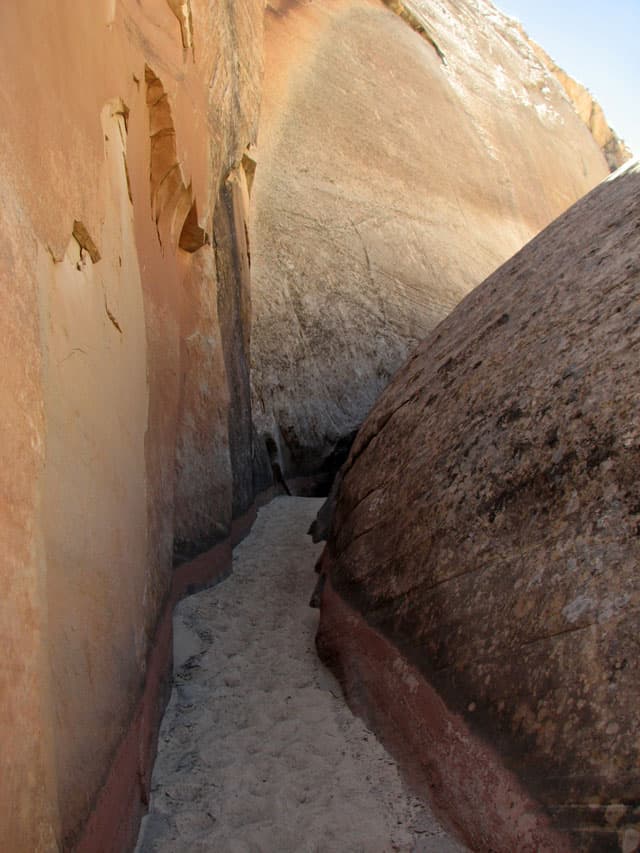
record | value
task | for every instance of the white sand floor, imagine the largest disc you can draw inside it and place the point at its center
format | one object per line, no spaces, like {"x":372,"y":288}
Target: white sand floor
{"x":258,"y":751}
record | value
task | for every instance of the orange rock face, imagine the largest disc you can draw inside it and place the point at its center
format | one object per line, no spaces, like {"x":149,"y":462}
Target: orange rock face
{"x":398,"y":166}
{"x":128,"y":165}
{"x":122,"y":124}
{"x":486,"y":533}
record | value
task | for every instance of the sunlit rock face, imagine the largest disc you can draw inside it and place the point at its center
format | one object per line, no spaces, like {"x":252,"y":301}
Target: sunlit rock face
{"x":590,"y":111}
{"x":124,"y":267}
{"x":399,"y":163}
{"x":487,"y":530}
{"x":393,"y":180}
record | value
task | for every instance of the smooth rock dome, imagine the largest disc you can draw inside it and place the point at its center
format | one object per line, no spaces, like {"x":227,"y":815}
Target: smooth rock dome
{"x":395,"y":173}
{"x":488,"y":527}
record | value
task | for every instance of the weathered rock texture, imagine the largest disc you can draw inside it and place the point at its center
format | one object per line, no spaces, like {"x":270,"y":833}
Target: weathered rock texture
{"x":485,"y":544}
{"x":589,"y":110}
{"x":397,"y":169}
{"x":124,"y":127}
{"x":127,"y":163}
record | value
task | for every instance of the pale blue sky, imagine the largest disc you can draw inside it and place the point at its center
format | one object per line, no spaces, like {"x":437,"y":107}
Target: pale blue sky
{"x":596,"y":43}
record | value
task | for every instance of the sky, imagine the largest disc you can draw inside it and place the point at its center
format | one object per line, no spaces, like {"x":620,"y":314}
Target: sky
{"x":598,"y":44}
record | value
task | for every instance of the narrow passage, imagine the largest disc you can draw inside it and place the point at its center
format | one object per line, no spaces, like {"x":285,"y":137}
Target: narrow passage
{"x":258,"y":751}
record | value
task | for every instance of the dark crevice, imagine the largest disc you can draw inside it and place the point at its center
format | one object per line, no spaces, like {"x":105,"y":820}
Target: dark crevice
{"x":111,"y":317}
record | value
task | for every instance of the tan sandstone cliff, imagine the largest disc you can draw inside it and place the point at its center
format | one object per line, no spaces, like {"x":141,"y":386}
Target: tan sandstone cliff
{"x":483,"y":592}
{"x":123,"y":315}
{"x":396,"y":169}
{"x":589,"y":110}
{"x":393,"y":173}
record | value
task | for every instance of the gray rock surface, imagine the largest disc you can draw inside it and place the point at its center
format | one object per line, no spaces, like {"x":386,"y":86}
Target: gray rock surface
{"x":489,"y":518}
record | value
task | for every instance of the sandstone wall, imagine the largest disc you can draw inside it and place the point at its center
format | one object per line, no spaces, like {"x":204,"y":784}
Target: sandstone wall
{"x":589,"y":110}
{"x":483,"y":591}
{"x":124,"y":126}
{"x":397,"y":168}
{"x":127,"y":163}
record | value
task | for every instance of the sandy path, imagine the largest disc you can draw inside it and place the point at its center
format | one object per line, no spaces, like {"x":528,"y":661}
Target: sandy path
{"x":258,"y":751}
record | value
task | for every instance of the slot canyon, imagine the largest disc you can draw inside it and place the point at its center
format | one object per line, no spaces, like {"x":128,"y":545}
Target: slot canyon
{"x":344,"y":285}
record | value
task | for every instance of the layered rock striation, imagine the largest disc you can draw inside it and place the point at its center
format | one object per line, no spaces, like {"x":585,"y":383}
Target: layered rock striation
{"x":482,"y":594}
{"x":401,"y":159}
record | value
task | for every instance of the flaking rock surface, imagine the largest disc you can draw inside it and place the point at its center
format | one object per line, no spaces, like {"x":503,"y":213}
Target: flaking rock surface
{"x":124,"y":397}
{"x":489,"y":518}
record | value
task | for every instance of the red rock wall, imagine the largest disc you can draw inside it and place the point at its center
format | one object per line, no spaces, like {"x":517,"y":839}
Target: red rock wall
{"x":125,"y":402}
{"x":121,"y":123}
